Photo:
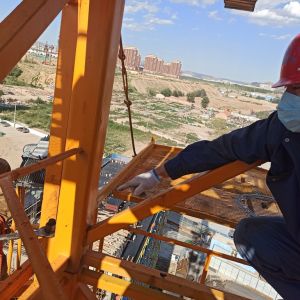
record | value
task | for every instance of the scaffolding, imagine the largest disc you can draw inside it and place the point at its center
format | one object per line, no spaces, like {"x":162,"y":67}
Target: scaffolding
{"x":66,"y":266}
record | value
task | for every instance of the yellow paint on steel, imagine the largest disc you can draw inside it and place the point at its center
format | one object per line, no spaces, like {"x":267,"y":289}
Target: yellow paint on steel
{"x":167,"y":199}
{"x":21,"y":195}
{"x":40,"y":264}
{"x":182,"y":210}
{"x":10,"y":254}
{"x":84,"y":292}
{"x":114,"y":182}
{"x":59,"y":265}
{"x":99,"y":27}
{"x":121,"y":287}
{"x":205,"y":269}
{"x":22,"y":27}
{"x":155,"y":278}
{"x":189,"y":246}
{"x":10,"y":287}
{"x":19,"y":172}
{"x":60,"y":111}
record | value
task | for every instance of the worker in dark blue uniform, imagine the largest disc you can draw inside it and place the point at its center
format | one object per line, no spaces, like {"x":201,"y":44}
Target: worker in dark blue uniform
{"x":270,"y":244}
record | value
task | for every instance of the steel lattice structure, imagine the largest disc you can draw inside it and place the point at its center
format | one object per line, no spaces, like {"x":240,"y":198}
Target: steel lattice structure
{"x":64,"y":266}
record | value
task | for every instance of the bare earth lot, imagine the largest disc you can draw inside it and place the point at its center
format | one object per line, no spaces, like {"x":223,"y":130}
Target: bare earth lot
{"x":11,"y":145}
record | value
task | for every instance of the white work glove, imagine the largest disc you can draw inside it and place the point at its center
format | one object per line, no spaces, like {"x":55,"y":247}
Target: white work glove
{"x":141,"y":183}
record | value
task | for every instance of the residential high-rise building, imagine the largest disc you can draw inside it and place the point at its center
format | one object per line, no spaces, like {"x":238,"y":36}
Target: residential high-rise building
{"x":152,"y":63}
{"x":175,"y":68}
{"x":133,"y":58}
{"x":156,"y":65}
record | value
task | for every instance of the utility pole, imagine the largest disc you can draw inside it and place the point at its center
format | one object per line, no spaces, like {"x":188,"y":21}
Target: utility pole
{"x":15,"y":115}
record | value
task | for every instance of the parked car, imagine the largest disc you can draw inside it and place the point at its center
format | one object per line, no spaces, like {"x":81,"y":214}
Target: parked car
{"x":23,"y":129}
{"x":4,"y":123}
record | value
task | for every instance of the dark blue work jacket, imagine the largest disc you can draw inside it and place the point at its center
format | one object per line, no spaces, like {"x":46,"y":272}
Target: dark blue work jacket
{"x":266,"y":140}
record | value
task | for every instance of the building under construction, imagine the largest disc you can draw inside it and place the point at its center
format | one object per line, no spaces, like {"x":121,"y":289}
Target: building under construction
{"x":65,"y":257}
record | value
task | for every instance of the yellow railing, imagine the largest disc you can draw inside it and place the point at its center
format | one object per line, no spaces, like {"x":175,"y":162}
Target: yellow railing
{"x":37,"y":258}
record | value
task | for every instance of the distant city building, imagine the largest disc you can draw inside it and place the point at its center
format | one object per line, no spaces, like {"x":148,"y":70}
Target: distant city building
{"x":151,"y":64}
{"x":156,"y":65}
{"x":133,"y":58}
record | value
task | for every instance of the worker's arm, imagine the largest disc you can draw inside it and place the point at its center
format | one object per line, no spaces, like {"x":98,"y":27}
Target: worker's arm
{"x":246,"y":144}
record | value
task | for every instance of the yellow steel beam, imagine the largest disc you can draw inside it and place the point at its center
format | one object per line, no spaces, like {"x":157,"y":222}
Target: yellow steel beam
{"x":182,"y":209}
{"x":187,"y":245}
{"x":20,"y":29}
{"x":99,"y":27}
{"x":121,"y":287}
{"x":205,"y":269}
{"x":16,"y":281}
{"x":154,"y":278}
{"x":21,"y":196}
{"x":61,"y":109}
{"x":84,"y":293}
{"x":59,"y":265}
{"x":19,"y":172}
{"x":167,"y":199}
{"x":40,"y":264}
{"x":114,"y":182}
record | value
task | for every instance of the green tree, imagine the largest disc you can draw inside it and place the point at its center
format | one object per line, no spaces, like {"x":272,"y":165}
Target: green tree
{"x":205,"y":102}
{"x":190,"y":97}
{"x":166,"y":92}
{"x":200,"y":93}
{"x":177,"y":93}
{"x":16,"y":72}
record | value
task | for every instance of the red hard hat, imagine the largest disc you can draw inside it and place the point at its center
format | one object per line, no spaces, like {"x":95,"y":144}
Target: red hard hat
{"x":290,"y":69}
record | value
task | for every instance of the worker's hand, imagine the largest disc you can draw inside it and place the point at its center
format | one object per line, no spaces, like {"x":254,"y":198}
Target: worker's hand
{"x":141,"y":183}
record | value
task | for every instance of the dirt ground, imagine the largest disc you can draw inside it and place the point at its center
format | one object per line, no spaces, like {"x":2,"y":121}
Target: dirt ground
{"x":239,"y":103}
{"x":11,"y":149}
{"x":12,"y":143}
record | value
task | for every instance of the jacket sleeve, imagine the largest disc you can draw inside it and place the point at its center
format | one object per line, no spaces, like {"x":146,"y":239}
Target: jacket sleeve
{"x":246,"y":144}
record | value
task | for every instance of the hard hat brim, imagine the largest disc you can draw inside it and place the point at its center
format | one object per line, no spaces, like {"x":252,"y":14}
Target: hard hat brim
{"x":286,"y":82}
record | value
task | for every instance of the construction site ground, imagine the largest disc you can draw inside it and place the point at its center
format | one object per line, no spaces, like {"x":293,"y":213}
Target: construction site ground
{"x":172,"y":120}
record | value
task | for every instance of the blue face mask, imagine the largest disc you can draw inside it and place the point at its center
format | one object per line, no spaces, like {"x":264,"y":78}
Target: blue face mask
{"x":289,"y":111}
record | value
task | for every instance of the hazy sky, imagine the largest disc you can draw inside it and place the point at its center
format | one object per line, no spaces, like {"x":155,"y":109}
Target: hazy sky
{"x":206,"y":37}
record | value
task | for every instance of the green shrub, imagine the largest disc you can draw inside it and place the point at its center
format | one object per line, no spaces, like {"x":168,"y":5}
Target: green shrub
{"x":166,"y":92}
{"x":1,"y":93}
{"x":39,"y":101}
{"x":204,"y":102}
{"x":191,"y":138}
{"x":200,"y":93}
{"x":13,"y":77}
{"x":151,"y":92}
{"x":262,"y":114}
{"x":177,"y":93}
{"x":190,"y":97}
{"x":10,"y":80}
{"x":15,"y":72}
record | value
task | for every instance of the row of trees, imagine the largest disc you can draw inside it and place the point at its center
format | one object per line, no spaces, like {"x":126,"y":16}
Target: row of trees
{"x":167,"y":92}
{"x":198,"y":93}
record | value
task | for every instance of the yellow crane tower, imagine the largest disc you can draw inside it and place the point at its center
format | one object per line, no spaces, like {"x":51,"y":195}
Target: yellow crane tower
{"x":67,"y":266}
